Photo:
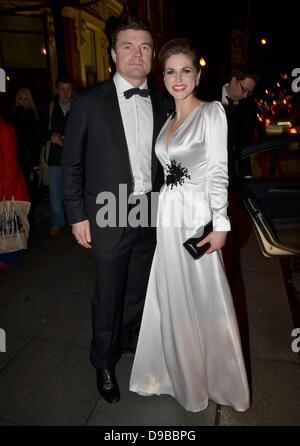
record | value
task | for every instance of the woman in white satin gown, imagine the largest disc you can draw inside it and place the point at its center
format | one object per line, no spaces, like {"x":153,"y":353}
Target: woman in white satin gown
{"x":189,"y":345}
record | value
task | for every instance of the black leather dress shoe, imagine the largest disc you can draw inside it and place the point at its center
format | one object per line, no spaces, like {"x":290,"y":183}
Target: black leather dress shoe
{"x":107,"y":385}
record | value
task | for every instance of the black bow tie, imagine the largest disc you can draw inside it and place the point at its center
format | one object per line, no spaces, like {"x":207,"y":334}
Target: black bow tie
{"x":231,"y":101}
{"x":142,"y":92}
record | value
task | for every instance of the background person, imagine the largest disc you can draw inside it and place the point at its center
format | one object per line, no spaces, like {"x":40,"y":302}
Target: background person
{"x":59,"y":114}
{"x":12,"y":184}
{"x":241,"y":112}
{"x":25,"y":122}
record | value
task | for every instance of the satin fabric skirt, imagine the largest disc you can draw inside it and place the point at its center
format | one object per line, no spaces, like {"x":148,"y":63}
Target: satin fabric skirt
{"x":189,"y":344}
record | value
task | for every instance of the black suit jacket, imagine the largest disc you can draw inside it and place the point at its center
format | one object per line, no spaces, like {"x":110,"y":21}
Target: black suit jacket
{"x":96,"y":158}
{"x":242,"y":121}
{"x":58,"y":125}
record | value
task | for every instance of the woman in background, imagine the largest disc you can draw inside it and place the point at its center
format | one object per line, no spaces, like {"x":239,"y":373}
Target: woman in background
{"x":12,"y":184}
{"x":25,"y":121}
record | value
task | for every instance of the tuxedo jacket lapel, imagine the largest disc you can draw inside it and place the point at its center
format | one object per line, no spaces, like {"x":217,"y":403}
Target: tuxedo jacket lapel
{"x":158,"y":121}
{"x":114,"y":123}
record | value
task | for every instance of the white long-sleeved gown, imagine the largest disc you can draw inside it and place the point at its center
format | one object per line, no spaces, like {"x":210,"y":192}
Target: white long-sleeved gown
{"x":189,"y":344}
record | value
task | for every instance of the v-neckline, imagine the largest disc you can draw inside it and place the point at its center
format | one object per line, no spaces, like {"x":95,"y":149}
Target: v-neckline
{"x":179,"y":127}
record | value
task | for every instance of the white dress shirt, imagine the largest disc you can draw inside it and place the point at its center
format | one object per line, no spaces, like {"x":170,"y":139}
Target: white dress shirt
{"x":137,"y":117}
{"x":225,"y":94}
{"x":65,"y":107}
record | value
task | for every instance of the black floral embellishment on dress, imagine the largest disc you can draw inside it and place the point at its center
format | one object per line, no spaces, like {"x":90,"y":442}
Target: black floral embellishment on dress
{"x":176,"y":174}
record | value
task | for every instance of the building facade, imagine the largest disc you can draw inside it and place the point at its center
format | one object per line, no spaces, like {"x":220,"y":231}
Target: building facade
{"x":29,"y":44}
{"x":31,"y":41}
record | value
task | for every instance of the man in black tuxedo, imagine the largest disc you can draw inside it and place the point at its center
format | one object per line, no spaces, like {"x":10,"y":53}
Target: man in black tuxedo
{"x":109,"y":144}
{"x":241,"y":111}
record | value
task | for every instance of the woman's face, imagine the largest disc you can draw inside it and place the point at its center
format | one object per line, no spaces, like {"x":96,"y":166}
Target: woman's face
{"x":24,"y":100}
{"x":180,"y":76}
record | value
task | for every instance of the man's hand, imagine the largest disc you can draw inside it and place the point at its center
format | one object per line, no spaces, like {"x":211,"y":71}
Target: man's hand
{"x":216,"y":239}
{"x":82,"y":233}
{"x":57,"y":138}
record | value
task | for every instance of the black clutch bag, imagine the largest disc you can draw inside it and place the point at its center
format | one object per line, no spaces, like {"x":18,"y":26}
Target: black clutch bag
{"x":191,"y":243}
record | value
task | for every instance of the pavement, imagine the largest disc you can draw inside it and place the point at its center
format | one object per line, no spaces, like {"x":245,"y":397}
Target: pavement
{"x":45,"y":375}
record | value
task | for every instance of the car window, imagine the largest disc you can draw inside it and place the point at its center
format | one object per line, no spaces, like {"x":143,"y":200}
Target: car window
{"x":283,"y":162}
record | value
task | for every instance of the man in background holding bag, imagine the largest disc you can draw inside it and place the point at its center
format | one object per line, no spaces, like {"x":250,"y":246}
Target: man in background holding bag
{"x":12,"y":183}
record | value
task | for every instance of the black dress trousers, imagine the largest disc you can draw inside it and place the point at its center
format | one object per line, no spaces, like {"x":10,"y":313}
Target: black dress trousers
{"x":121,"y":279}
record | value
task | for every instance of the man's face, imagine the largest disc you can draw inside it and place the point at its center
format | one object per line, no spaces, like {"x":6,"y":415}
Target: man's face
{"x":241,"y":89}
{"x":64,"y":92}
{"x":133,"y":55}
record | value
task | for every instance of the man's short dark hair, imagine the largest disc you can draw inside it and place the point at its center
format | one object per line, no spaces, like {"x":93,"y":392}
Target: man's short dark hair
{"x":64,"y":79}
{"x":245,"y":70}
{"x":128,"y":22}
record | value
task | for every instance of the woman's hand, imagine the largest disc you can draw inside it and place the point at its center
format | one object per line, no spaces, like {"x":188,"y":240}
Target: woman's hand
{"x":216,"y":239}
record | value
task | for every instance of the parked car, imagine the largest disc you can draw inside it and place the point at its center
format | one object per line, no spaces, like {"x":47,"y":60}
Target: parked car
{"x":272,"y":195}
{"x":280,"y":128}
